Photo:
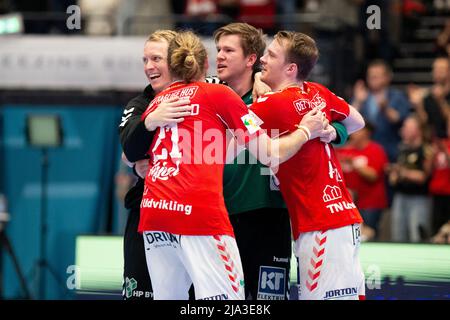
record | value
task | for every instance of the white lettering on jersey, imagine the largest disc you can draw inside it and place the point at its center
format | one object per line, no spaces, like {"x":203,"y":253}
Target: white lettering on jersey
{"x":162,"y":172}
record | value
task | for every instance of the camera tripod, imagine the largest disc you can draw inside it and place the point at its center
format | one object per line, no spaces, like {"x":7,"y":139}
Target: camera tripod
{"x":6,"y":244}
{"x":42,"y":264}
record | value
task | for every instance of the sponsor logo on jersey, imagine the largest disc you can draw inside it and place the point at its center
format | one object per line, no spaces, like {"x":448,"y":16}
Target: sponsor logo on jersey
{"x":130,"y":286}
{"x":302,"y":106}
{"x":340,"y":293}
{"x":131,"y":292}
{"x":331,"y":193}
{"x":188,"y":92}
{"x":164,"y":238}
{"x":252,"y":122}
{"x":167,"y":205}
{"x":284,"y":260}
{"x":271,"y":283}
{"x":340,"y":206}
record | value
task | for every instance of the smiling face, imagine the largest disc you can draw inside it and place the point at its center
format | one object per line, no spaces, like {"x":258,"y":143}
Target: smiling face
{"x":274,"y":65}
{"x":231,"y":61}
{"x":156,"y":67}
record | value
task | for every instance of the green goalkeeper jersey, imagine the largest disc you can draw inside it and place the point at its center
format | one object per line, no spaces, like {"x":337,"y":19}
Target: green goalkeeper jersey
{"x":246,"y":183}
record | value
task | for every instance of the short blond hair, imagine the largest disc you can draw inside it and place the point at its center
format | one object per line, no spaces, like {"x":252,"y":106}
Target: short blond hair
{"x":301,"y":50}
{"x":162,"y":35}
{"x":187,"y":56}
{"x":252,"y":39}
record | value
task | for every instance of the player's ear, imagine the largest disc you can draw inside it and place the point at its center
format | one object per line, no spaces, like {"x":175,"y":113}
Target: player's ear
{"x":292,"y":69}
{"x":251,"y":60}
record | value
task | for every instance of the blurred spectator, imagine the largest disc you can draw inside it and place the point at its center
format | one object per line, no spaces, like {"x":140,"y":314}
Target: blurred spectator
{"x":363,"y":164}
{"x":258,"y":13}
{"x":443,"y":236}
{"x":440,"y":183}
{"x":382,"y":105}
{"x":286,"y":8}
{"x":200,"y":13}
{"x":141,"y":17}
{"x":335,"y":14}
{"x":409,"y":176}
{"x":311,"y":5}
{"x":443,"y":40}
{"x":434,"y":107}
{"x":441,"y":6}
{"x":99,"y":16}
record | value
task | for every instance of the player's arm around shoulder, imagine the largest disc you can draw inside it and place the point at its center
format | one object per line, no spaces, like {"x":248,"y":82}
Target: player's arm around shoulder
{"x":281,"y":149}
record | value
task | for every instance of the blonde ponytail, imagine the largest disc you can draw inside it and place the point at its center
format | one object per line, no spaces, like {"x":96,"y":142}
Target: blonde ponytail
{"x":187,"y":57}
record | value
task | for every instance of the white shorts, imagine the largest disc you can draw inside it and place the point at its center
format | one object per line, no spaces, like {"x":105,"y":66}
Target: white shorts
{"x":211,"y":263}
{"x":328,"y":264}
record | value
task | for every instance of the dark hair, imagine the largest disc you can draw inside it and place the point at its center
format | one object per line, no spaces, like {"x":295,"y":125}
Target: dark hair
{"x":252,"y":39}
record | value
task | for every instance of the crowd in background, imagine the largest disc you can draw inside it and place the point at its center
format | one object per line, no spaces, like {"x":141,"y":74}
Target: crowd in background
{"x":398,"y":167}
{"x":401,"y":160}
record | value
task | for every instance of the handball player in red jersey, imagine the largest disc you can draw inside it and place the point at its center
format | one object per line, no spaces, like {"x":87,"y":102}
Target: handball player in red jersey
{"x":325,"y":221}
{"x":187,"y":233}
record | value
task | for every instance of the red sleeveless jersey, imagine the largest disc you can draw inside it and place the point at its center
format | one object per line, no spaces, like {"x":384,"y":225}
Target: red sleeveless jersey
{"x":311,"y":181}
{"x":183,"y":189}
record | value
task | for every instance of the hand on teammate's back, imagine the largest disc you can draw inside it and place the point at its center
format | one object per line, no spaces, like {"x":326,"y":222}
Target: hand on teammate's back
{"x":170,"y":111}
